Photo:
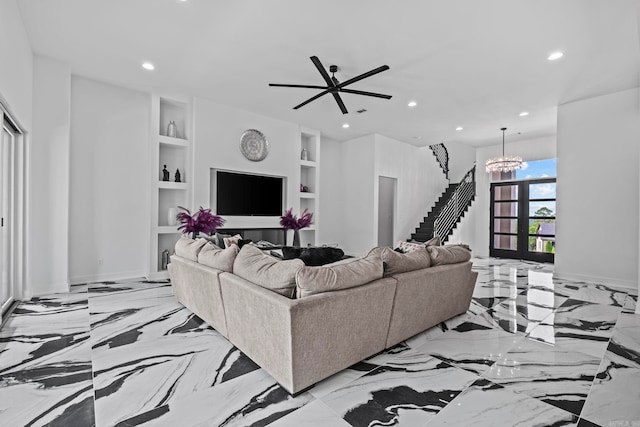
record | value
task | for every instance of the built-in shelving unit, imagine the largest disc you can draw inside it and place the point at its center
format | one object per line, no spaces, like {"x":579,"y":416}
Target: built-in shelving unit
{"x":176,"y":152}
{"x":310,"y":177}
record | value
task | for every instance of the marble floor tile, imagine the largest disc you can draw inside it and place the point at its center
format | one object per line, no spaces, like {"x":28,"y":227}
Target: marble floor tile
{"x":176,"y":353}
{"x":592,"y":292}
{"x":526,"y":310}
{"x":313,"y":414}
{"x":45,"y":363}
{"x":251,"y":399}
{"x":422,"y":338}
{"x":630,"y":304}
{"x":344,"y":377}
{"x":474,"y":345}
{"x":127,"y":353}
{"x":580,"y":326}
{"x":615,"y":395}
{"x":408,"y":392}
{"x":624,"y":347}
{"x":560,"y":378}
{"x":488,"y":404}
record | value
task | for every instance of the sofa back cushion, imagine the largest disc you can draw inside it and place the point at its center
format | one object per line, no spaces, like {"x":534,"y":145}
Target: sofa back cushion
{"x":449,"y":254}
{"x":344,"y":274}
{"x":189,"y":248}
{"x":264,"y":270}
{"x":396,"y":262}
{"x":218,"y":258}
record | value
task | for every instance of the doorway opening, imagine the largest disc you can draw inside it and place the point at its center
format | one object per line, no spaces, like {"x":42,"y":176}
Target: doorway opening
{"x":386,"y":210}
{"x":523,"y":220}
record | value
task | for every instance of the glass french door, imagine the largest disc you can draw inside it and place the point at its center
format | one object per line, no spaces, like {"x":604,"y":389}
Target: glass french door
{"x":523,"y":219}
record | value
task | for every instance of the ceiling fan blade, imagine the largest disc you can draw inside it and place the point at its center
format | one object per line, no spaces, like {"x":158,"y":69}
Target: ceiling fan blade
{"x":313,"y":98}
{"x":340,"y":103}
{"x":323,"y":71}
{"x":359,"y":92}
{"x":364,"y":76}
{"x":303,"y":86}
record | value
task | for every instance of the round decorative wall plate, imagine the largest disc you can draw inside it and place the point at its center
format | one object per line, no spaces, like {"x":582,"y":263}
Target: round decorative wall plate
{"x":253,"y":145}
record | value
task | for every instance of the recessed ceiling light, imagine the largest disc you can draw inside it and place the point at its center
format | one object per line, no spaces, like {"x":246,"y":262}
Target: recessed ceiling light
{"x":412,"y":103}
{"x":555,"y":55}
{"x":148,"y":66}
{"x":459,"y":128}
{"x":524,"y":113}
{"x":345,"y":125}
{"x":417,"y":137}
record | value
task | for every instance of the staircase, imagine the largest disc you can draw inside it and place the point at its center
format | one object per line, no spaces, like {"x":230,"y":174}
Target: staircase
{"x":448,"y":210}
{"x":442,"y":155}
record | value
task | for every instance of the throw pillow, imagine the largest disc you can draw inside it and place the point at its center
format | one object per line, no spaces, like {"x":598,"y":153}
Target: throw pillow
{"x":448,"y":254}
{"x":395,"y":263}
{"x":233,"y":240}
{"x":189,"y":248}
{"x":264,"y":270}
{"x":313,"y":257}
{"x":218,"y":258}
{"x":408,"y":247}
{"x":339,"y":275}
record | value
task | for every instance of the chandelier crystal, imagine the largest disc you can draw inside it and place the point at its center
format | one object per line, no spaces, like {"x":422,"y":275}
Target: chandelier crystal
{"x":503,"y":163}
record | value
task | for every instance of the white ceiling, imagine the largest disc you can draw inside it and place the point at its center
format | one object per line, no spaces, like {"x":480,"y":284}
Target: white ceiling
{"x":469,"y":63}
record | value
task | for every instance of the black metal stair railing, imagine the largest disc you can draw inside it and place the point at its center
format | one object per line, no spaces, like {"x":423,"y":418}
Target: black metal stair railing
{"x":455,"y":207}
{"x":442,"y":155}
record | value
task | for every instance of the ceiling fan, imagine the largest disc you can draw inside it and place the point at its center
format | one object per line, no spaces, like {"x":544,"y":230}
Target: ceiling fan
{"x":334,"y":87}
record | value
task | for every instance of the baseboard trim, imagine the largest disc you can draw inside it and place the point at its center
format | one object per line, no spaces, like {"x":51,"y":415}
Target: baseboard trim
{"x":607,"y":281}
{"x":111,"y":277}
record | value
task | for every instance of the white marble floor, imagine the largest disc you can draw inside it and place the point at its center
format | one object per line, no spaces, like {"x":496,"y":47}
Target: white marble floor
{"x":531,"y":351}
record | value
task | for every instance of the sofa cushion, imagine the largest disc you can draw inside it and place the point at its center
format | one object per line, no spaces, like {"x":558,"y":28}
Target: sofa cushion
{"x":264,"y":270}
{"x":344,"y":274}
{"x":218,"y":258}
{"x":408,"y":247}
{"x":189,"y":248}
{"x":448,"y":254}
{"x":313,"y":256}
{"x":435,"y":241}
{"x":395,"y":263}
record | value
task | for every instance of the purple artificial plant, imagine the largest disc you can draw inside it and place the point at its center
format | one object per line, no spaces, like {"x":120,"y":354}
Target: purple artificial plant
{"x":289,"y":221}
{"x":202,"y":221}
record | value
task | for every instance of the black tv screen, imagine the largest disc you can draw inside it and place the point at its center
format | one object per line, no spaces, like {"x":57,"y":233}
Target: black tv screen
{"x":248,"y":195}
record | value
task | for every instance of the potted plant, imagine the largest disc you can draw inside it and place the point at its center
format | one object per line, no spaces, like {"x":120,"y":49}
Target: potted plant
{"x":201,"y":221}
{"x":289,"y":221}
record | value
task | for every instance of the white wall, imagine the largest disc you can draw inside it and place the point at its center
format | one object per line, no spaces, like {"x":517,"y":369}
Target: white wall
{"x":109,"y":182}
{"x":478,"y":214}
{"x":349,"y":175}
{"x":332,"y":231}
{"x":358,"y":208}
{"x":16,"y":72}
{"x":420,"y":182}
{"x":49,"y":178}
{"x":217,"y":131}
{"x":461,"y":159}
{"x":598,"y":189}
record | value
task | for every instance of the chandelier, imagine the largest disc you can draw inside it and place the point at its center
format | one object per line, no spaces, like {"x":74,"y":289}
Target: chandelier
{"x":503,"y":163}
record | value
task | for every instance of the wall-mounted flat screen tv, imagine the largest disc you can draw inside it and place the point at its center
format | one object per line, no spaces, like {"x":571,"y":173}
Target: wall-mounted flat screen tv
{"x":245,"y":194}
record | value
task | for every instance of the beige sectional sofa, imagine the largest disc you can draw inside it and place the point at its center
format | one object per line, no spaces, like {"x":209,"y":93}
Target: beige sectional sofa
{"x":336,"y":320}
